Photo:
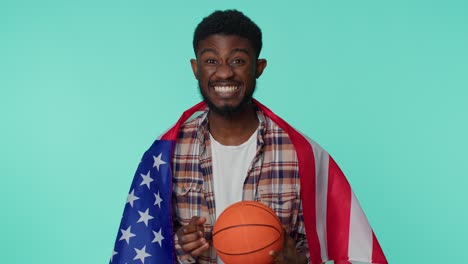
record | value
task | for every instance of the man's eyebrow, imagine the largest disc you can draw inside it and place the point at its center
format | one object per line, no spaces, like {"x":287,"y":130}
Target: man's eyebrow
{"x":207,"y":50}
{"x":232,"y":51}
{"x":240,"y":50}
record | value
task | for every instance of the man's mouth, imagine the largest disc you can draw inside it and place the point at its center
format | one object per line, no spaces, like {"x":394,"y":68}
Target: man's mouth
{"x":226,"y":89}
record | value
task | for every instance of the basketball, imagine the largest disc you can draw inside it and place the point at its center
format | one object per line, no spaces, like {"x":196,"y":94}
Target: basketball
{"x":246,"y":232}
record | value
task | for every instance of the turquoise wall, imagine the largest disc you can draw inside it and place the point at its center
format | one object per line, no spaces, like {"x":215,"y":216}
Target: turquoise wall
{"x":86,"y":86}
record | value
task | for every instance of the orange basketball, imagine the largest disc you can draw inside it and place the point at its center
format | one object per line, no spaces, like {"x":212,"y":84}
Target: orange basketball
{"x":246,"y":232}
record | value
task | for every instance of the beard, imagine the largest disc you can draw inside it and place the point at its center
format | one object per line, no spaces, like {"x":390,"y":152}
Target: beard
{"x":229,"y":110}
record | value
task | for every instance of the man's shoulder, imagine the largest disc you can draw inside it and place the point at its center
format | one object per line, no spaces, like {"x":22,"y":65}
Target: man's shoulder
{"x":193,"y":122}
{"x":189,"y":126}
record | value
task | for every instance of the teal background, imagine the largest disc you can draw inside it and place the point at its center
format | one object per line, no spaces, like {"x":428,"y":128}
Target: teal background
{"x":86,"y":86}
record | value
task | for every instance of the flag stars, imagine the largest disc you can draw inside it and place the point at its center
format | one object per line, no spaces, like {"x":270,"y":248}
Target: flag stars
{"x":113,"y":254}
{"x":141,"y":254}
{"x":158,"y":161}
{"x":158,"y":200}
{"x":158,"y":237}
{"x":146,"y":179}
{"x":144,"y":217}
{"x":126,"y":234}
{"x":131,"y":197}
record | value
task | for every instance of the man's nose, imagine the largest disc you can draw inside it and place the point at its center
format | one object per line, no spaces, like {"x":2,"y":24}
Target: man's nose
{"x":224,"y":71}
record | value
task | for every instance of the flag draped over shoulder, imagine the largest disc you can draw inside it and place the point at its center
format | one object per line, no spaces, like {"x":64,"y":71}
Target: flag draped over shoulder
{"x":336,"y":226}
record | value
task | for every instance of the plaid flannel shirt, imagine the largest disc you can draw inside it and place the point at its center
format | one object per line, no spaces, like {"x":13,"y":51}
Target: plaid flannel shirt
{"x":272,"y":179}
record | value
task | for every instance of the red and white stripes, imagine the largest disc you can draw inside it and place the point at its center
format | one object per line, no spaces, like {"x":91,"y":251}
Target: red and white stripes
{"x":336,"y":226}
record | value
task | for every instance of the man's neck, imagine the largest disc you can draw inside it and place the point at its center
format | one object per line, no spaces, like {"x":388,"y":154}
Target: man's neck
{"x":233,"y":130}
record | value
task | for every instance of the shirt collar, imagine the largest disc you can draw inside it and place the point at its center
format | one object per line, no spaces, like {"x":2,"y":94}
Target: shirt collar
{"x":203,"y":134}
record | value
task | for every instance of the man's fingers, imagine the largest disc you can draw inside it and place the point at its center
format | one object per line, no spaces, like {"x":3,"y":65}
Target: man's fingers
{"x":200,"y":250}
{"x":191,"y":226}
{"x":198,"y":220}
{"x":273,"y":253}
{"x":289,"y":243}
{"x":190,"y":246}
{"x":195,"y":247}
{"x":276,"y":256}
{"x":195,"y":224}
{"x":191,"y":237}
{"x":287,"y":254}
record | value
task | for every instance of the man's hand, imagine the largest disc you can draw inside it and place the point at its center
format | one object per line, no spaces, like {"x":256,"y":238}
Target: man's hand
{"x":191,"y":237}
{"x":288,"y":254}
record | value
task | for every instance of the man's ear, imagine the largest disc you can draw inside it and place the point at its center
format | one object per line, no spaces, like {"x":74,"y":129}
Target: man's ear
{"x":194,"y":64}
{"x":261,"y":64}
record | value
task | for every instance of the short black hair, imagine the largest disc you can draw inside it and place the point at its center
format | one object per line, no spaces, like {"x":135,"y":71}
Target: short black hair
{"x":228,"y":22}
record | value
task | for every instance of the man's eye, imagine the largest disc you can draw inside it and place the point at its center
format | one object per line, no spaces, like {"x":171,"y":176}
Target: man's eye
{"x":238,"y":61}
{"x":210,"y":61}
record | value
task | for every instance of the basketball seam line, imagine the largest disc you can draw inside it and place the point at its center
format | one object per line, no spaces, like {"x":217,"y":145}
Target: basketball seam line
{"x":245,"y":253}
{"x":232,"y":254}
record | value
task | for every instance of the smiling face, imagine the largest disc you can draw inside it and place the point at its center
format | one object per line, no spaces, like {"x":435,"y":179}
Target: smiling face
{"x":226,"y":69}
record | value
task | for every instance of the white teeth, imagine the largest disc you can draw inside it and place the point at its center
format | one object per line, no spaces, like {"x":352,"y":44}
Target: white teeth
{"x":225,"y":89}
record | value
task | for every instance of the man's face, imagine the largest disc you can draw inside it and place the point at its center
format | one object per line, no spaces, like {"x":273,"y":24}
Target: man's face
{"x":226,"y":69}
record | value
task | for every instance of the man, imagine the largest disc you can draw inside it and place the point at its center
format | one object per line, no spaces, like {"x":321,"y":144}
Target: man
{"x":237,"y":149}
{"x":226,"y":68}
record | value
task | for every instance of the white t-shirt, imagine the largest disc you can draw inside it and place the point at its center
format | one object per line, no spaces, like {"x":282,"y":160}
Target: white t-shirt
{"x":230,"y":165}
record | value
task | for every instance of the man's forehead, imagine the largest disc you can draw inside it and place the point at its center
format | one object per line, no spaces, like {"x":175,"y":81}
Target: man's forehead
{"x":216,"y":42}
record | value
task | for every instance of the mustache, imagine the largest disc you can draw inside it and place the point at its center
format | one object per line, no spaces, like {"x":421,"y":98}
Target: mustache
{"x":224,"y":83}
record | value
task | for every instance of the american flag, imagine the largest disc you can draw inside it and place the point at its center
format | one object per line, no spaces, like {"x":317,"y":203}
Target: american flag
{"x":336,"y":226}
{"x":145,"y":232}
